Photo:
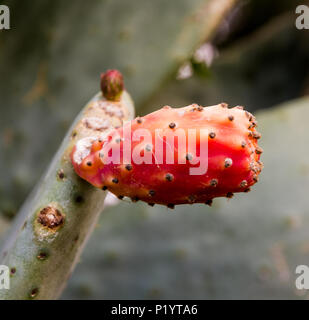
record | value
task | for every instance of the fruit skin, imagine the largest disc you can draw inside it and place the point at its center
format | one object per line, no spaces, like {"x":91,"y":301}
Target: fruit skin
{"x":233,"y":157}
{"x":58,"y":217}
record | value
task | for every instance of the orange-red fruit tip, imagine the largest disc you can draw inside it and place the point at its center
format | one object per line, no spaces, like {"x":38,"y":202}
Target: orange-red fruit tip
{"x":112,"y":85}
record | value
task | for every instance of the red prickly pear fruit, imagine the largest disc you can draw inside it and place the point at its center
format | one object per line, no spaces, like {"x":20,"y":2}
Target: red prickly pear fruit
{"x":112,"y":85}
{"x":229,"y":135}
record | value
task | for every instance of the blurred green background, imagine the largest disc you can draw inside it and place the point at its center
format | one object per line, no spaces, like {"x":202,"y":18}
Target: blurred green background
{"x":173,"y":52}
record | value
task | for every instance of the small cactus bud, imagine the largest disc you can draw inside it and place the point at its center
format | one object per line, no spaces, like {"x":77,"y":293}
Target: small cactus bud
{"x":112,"y":85}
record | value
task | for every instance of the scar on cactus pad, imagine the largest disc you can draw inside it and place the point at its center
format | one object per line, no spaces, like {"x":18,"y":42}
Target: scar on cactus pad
{"x":232,"y":157}
{"x":50,"y":217}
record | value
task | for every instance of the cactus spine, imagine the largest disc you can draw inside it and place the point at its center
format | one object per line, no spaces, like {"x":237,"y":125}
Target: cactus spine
{"x":53,"y":225}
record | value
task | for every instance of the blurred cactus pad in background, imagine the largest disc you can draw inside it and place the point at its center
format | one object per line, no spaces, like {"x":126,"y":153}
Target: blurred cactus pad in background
{"x":174,"y":52}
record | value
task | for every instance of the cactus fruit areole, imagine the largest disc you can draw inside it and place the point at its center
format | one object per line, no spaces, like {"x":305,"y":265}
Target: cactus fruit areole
{"x":233,"y":156}
{"x":58,"y":217}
